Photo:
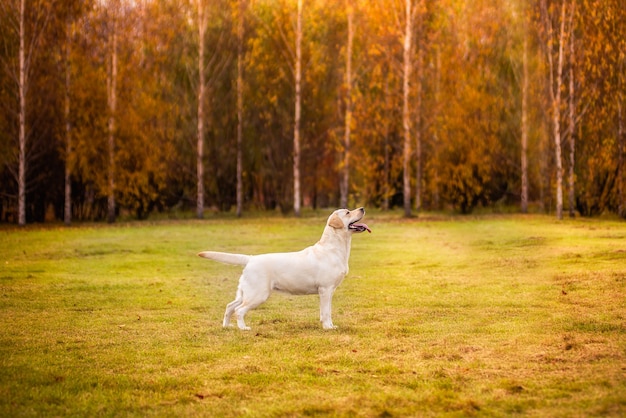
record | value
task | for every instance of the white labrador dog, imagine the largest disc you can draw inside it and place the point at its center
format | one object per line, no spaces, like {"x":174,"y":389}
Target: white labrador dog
{"x":316,"y":269}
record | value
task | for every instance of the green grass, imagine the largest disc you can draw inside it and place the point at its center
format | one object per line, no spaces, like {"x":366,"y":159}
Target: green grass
{"x":486,"y":316}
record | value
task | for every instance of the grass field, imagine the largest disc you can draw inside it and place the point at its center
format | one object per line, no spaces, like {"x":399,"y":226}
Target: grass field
{"x":486,"y":316}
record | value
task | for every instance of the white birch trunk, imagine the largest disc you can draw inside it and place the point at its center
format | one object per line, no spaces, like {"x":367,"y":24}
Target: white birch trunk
{"x":67,"y":207}
{"x":296,"y":129}
{"x":240,"y":22}
{"x":555,"y":92}
{"x":21,"y":178}
{"x":112,"y":103}
{"x":344,"y":184}
{"x":418,"y":126}
{"x":524,"y":127}
{"x":200,"y":138}
{"x":406,"y":178}
{"x":621,"y":147}
{"x":386,"y":163}
{"x":572,"y":119}
{"x":435,"y":116}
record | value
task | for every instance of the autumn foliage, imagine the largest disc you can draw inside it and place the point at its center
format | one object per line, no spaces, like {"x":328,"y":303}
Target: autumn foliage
{"x":466,"y":86}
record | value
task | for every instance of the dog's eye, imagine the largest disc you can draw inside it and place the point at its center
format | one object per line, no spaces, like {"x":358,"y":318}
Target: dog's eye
{"x":347,"y":212}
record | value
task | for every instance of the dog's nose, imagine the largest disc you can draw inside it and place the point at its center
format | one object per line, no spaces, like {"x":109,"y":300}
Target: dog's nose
{"x":361,"y":209}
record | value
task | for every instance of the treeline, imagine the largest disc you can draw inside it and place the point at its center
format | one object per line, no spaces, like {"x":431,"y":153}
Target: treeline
{"x":136,"y":106}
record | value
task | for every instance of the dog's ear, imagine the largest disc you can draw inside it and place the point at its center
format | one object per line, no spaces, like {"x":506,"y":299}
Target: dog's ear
{"x":335,"y":221}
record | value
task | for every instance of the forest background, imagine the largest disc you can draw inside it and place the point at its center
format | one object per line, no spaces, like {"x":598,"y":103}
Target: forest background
{"x":116,"y":107}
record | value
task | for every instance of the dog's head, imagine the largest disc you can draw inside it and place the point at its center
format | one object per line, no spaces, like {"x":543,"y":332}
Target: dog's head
{"x":348,"y":219}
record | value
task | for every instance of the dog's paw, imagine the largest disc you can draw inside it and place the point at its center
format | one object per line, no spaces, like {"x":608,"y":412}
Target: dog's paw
{"x":330,"y":326}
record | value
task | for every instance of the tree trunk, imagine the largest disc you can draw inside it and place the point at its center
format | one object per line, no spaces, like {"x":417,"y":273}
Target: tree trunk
{"x":296,"y":129}
{"x":406,"y":177}
{"x":572,"y":119}
{"x":112,"y":103}
{"x":345,"y":167}
{"x":418,"y":127}
{"x":435,"y":116}
{"x":555,"y":91}
{"x":201,"y":87}
{"x":67,"y":208}
{"x":240,"y":24}
{"x":21,"y":179}
{"x":524,"y":195}
{"x":386,"y":163}
{"x":621,"y":148}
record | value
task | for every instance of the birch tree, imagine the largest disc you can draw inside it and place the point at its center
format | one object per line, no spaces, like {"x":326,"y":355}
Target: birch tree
{"x":386,"y":145}
{"x":111,"y":82}
{"x":571,"y":128}
{"x":621,"y":152}
{"x":620,"y":99}
{"x":67,"y":204}
{"x":619,"y":29}
{"x":344,"y":183}
{"x":420,"y":46}
{"x":22,"y":87}
{"x":555,"y":70}
{"x":601,"y":87}
{"x":213,"y":60}
{"x":406,"y":111}
{"x":28,"y":25}
{"x":137,"y":107}
{"x":524,"y":121}
{"x":240,"y":58}
{"x":297,"y":112}
{"x":200,"y":132}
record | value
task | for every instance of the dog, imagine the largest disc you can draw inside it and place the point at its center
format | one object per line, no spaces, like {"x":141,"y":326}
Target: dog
{"x":319,"y":269}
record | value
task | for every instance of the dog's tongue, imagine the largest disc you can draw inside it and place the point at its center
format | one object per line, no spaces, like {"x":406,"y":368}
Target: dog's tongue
{"x":360,"y":227}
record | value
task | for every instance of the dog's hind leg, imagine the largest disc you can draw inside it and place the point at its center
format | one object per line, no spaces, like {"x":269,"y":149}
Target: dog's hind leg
{"x":248,"y":303}
{"x":230,"y":309}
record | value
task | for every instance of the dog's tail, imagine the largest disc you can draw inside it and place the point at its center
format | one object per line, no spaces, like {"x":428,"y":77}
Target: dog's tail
{"x":228,"y":258}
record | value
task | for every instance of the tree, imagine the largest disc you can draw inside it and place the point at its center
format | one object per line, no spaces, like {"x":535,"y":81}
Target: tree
{"x":406,"y":111}
{"x":344,"y":182}
{"x":376,"y":149}
{"x":111,"y":70}
{"x":270,"y":82}
{"x":621,"y":144}
{"x":524,"y":61}
{"x":297,"y":112}
{"x":600,"y":90}
{"x":213,"y":61}
{"x":555,"y":70}
{"x":620,"y":100}
{"x":22,"y":86}
{"x":200,"y":133}
{"x":116,"y":108}
{"x":524,"y":120}
{"x":67,"y":206}
{"x":571,"y":127}
{"x":19,"y":19}
{"x":420,"y":46}
{"x":476,"y":130}
{"x":240,"y":63}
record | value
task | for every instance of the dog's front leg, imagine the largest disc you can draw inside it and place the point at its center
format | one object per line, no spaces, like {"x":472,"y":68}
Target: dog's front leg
{"x":326,"y":296}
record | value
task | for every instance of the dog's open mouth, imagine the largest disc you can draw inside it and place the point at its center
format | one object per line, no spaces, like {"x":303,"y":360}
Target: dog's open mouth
{"x":359,"y":227}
